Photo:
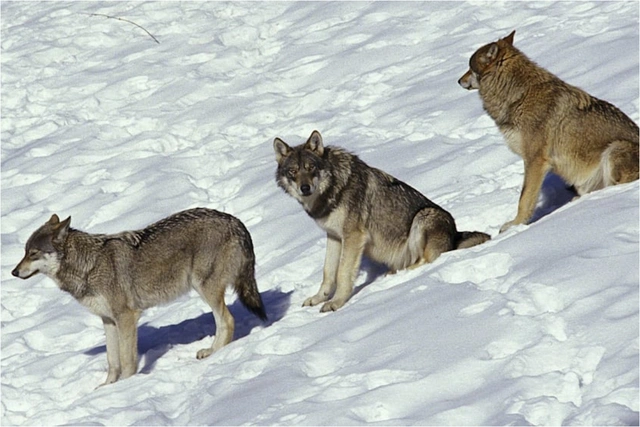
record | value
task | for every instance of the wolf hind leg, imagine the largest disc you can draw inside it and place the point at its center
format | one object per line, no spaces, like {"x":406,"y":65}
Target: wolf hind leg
{"x":437,"y":243}
{"x":432,"y":233}
{"x":212,"y":291}
{"x":620,"y":163}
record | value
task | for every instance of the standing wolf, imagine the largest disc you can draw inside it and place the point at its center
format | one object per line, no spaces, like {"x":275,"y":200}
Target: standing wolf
{"x":116,"y":276}
{"x":552,"y":125}
{"x":363,"y":211}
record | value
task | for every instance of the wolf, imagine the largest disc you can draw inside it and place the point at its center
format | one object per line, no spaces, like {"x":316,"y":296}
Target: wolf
{"x":552,"y":125}
{"x":364,"y":211}
{"x":116,"y":276}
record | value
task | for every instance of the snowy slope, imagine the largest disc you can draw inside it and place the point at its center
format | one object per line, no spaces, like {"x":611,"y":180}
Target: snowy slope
{"x":538,"y":326}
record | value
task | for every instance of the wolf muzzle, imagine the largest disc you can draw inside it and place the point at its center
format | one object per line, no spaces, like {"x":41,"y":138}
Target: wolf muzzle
{"x":469,"y":81}
{"x":305,"y":189}
{"x":16,"y":273}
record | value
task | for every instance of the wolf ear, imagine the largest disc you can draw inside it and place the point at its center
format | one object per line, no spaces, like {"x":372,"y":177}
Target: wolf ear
{"x":509,"y":38}
{"x":314,"y":143}
{"x":492,"y":53}
{"x":53,"y":220}
{"x":281,"y":148}
{"x":61,"y":230}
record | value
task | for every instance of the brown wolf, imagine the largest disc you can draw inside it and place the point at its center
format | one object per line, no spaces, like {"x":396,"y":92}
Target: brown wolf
{"x":116,"y":276}
{"x":552,"y":125}
{"x":363,"y":211}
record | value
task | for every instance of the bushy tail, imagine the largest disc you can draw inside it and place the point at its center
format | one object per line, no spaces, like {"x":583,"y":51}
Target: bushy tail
{"x":467,"y":239}
{"x":247,"y":290}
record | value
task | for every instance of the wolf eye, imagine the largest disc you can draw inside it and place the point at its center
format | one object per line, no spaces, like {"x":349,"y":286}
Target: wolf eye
{"x":33,"y":253}
{"x":292,"y":173}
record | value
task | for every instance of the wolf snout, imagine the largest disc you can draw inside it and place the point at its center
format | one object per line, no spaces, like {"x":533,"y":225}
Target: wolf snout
{"x":464,"y":82}
{"x":305,"y":189}
{"x":469,"y":81}
{"x":16,"y":273}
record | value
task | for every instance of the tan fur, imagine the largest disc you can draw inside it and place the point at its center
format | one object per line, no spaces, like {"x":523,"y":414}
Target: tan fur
{"x":116,"y":276}
{"x":552,"y":125}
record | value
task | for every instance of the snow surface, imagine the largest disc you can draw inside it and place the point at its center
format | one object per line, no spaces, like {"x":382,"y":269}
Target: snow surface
{"x":538,"y":326}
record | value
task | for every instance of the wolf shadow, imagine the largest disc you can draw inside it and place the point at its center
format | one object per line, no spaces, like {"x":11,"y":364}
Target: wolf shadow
{"x":155,"y":342}
{"x":554,"y":194}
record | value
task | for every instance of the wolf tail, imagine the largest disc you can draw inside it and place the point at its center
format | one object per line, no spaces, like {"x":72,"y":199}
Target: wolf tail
{"x":246,"y":286}
{"x":467,"y":239}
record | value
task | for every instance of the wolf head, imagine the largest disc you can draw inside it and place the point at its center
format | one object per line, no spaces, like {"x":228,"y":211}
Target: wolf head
{"x":483,"y":60}
{"x":41,"y":255}
{"x":301,"y":169}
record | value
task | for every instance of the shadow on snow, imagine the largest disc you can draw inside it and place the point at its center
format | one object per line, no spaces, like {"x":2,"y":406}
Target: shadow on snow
{"x":554,"y":194}
{"x":154,"y":342}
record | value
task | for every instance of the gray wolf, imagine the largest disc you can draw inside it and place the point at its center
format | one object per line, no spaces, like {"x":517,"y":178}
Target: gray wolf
{"x":116,"y":276}
{"x":364,"y":211}
{"x":552,"y":125}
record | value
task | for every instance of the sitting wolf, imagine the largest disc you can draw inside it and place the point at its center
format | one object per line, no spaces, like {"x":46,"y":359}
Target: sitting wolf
{"x":363,"y":211}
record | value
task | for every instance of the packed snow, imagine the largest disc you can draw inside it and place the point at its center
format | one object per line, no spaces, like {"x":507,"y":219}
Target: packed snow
{"x":100,"y":122}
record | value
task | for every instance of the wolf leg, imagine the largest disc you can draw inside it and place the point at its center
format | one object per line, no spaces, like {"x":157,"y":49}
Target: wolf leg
{"x":534,"y":173}
{"x":352,"y":249}
{"x":213,"y":293}
{"x":113,"y":350}
{"x":127,"y":325}
{"x":620,"y":163}
{"x":329,"y":273}
{"x":432,"y":233}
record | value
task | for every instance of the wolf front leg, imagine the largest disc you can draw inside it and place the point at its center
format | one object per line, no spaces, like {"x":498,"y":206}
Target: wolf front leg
{"x":113,"y":350}
{"x":329,"y":273}
{"x":351,"y":254}
{"x":127,"y":325}
{"x":534,"y":173}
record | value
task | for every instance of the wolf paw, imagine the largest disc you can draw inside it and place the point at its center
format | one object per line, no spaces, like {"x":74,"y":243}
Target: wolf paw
{"x":204,"y":353}
{"x":331,"y":306}
{"x":508,"y":225}
{"x":110,"y":380}
{"x":314,"y":300}
{"x":112,"y":376}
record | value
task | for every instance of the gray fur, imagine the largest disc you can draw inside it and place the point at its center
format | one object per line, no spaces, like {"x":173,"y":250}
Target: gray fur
{"x":118,"y":275}
{"x":364,"y":211}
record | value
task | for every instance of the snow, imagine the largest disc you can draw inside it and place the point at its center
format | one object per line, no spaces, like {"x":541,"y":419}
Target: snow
{"x":538,"y":326}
